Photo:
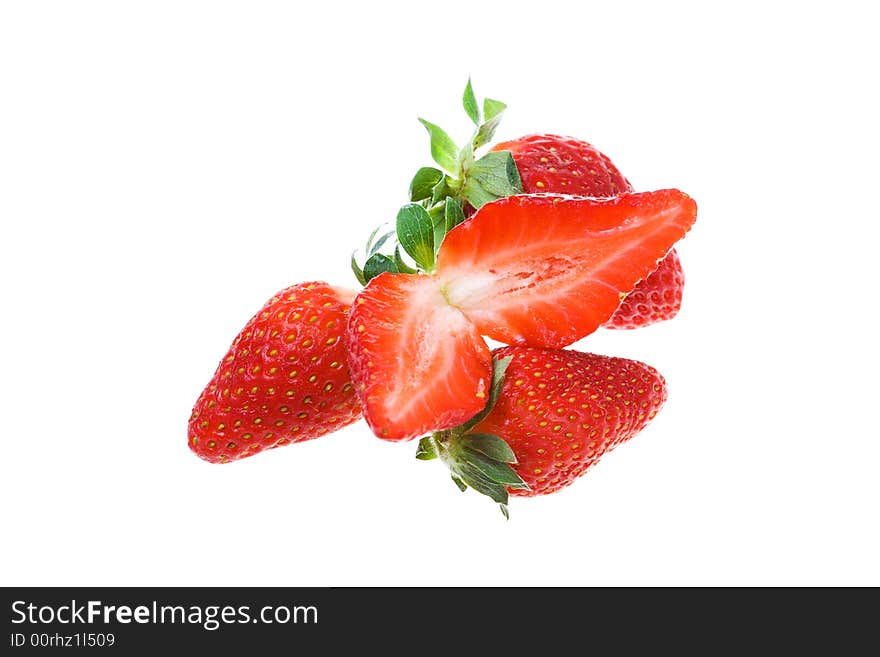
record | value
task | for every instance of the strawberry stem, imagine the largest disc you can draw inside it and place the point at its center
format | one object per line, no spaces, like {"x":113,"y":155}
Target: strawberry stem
{"x":460,"y":181}
{"x":477,"y":460}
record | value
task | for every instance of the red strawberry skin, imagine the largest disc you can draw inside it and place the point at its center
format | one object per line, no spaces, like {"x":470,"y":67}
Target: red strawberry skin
{"x":561,"y":410}
{"x":565,"y":165}
{"x":655,"y":299}
{"x":418,"y":363}
{"x":284,"y":379}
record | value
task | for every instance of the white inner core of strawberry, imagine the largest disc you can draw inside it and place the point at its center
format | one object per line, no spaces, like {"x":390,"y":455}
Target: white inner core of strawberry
{"x":435,"y":342}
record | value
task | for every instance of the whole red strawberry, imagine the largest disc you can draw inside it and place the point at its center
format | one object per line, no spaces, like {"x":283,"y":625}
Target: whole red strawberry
{"x":284,"y":379}
{"x":551,"y":415}
{"x":655,"y":299}
{"x":561,"y":410}
{"x":565,"y":165}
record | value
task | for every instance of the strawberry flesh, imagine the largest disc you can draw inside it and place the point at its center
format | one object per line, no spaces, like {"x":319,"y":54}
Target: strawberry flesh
{"x":566,"y":165}
{"x":417,"y":362}
{"x":546,"y":270}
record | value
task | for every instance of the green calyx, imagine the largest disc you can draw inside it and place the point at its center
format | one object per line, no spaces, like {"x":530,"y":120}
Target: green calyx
{"x":376,"y":262}
{"x":461,"y":176}
{"x":438,"y":195}
{"x":480,"y":461}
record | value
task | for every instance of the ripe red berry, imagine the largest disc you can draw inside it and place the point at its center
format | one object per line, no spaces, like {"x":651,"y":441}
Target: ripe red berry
{"x":284,"y":379}
{"x":561,"y":410}
{"x":551,"y":415}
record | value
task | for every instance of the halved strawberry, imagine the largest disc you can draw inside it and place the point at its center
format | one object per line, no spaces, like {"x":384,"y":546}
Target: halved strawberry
{"x":546,"y":270}
{"x":566,"y":165}
{"x":418,"y":364}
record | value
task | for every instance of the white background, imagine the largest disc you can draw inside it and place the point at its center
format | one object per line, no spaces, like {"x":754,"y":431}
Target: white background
{"x":166,"y":166}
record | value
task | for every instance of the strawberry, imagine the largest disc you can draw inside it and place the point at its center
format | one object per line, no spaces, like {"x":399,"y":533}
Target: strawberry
{"x":551,"y":415}
{"x":533,"y":270}
{"x":284,"y":379}
{"x":547,"y":270}
{"x":655,"y":299}
{"x":565,"y":165}
{"x":560,"y":411}
{"x":419,"y":364}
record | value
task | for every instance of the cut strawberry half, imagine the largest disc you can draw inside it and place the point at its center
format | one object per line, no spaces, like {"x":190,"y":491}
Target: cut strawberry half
{"x":545,"y":270}
{"x":418,"y":364}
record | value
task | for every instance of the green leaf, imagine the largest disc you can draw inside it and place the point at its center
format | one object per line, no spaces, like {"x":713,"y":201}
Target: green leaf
{"x":440,"y":191}
{"x":423,"y":183}
{"x":504,"y":511}
{"x":443,"y":149}
{"x":358,"y":272}
{"x":377,"y":264}
{"x":415,"y":232}
{"x":470,"y":103}
{"x":497,"y":173}
{"x":499,"y":369}
{"x":372,"y":237}
{"x":458,"y":482}
{"x":500,"y":473}
{"x":486,"y":131}
{"x":402,"y":267}
{"x":438,"y":219}
{"x":466,"y":158}
{"x":491,"y":177}
{"x":474,"y":478}
{"x":426,"y":450}
{"x":513,"y":176}
{"x":474,"y":194}
{"x":489,"y":444}
{"x":381,"y":242}
{"x":453,"y":214}
{"x":493,"y":108}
